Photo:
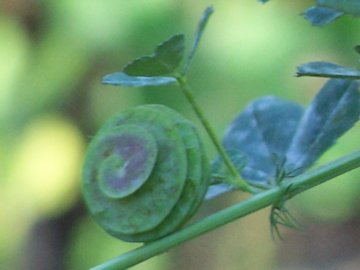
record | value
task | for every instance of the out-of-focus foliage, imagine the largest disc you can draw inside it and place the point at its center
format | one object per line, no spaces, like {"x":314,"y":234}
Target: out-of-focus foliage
{"x":326,"y":11}
{"x":329,"y":70}
{"x":52,"y":57}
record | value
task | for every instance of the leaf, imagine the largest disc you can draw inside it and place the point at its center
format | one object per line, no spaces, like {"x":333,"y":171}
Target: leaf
{"x":270,"y":127}
{"x":321,"y":16}
{"x":349,"y":6}
{"x":216,"y":190}
{"x":163,"y":61}
{"x":202,"y":24}
{"x":357,"y":48}
{"x":264,"y":129}
{"x":122,"y":79}
{"x":327,"y":11}
{"x":334,"y":110}
{"x":326,"y":69}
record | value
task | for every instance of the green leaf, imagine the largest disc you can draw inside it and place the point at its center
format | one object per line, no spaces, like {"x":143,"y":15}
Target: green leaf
{"x":329,"y":70}
{"x":334,"y":111}
{"x":165,"y":60}
{"x":122,"y":79}
{"x":202,"y":24}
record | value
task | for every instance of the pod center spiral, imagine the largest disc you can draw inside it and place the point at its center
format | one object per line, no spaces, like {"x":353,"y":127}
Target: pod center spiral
{"x":128,"y":161}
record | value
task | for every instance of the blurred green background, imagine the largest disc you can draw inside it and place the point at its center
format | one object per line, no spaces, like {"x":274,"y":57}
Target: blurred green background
{"x":52,"y":57}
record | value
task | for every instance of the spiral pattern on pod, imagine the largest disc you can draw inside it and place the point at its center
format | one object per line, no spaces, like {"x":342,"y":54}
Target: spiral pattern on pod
{"x":145,"y":173}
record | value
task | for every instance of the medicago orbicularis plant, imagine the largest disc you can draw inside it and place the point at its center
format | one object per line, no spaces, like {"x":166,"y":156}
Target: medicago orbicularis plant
{"x":146,"y":172}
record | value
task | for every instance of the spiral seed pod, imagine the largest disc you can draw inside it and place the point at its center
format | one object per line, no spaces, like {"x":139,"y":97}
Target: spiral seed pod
{"x":145,"y":173}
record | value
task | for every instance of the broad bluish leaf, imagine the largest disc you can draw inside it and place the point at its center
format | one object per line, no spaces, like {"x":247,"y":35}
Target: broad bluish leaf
{"x":322,"y":15}
{"x":329,"y":70}
{"x":165,"y":60}
{"x":333,"y":111}
{"x":202,"y":24}
{"x":263,"y":1}
{"x":122,"y":79}
{"x":264,"y":129}
{"x":279,"y":139}
{"x":327,"y":11}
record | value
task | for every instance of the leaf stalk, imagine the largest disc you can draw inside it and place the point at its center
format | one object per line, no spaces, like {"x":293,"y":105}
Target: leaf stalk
{"x":235,"y":180}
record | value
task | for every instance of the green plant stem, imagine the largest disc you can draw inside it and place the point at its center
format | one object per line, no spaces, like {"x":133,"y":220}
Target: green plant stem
{"x":236,"y":179}
{"x":286,"y":190}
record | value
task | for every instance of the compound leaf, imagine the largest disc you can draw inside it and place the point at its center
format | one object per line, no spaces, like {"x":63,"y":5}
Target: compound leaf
{"x":165,"y":59}
{"x":279,"y":139}
{"x":329,"y":70}
{"x":122,"y":79}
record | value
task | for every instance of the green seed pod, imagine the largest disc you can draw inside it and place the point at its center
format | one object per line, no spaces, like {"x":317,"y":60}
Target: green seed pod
{"x":145,"y":173}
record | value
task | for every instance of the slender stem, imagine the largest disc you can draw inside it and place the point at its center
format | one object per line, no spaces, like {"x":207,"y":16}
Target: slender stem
{"x":236,"y":179}
{"x":286,"y":189}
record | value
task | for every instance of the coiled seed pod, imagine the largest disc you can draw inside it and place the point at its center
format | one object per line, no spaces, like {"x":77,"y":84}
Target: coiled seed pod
{"x":145,"y":173}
